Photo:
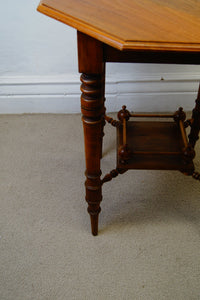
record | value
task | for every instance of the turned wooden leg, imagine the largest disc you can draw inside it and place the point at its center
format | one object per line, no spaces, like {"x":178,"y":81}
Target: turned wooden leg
{"x":92,"y":110}
{"x":195,"y":127}
{"x":92,"y":67}
{"x":103,"y":121}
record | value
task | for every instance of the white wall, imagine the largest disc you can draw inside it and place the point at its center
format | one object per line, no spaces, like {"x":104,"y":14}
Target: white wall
{"x":39,"y":72}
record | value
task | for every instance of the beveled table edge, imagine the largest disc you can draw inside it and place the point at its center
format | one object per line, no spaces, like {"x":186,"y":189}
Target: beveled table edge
{"x":112,"y":40}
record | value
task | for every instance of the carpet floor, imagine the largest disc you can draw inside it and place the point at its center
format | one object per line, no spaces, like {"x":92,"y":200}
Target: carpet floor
{"x":148,"y":245}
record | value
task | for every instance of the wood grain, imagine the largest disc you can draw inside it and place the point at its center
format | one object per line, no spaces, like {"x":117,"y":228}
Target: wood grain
{"x":130,"y":24}
{"x":92,"y":66}
{"x":155,"y":146}
{"x":154,"y":31}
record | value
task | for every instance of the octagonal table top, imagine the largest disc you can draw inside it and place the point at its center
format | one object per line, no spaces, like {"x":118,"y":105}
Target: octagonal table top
{"x":164,"y":25}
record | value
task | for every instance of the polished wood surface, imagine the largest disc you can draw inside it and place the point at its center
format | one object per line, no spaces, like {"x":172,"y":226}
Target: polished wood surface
{"x":145,"y":31}
{"x":92,"y":65}
{"x":154,"y":146}
{"x":131,"y":24}
{"x":151,"y":56}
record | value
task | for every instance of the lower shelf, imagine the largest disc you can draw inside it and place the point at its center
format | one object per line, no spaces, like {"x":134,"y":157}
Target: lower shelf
{"x":153,"y":145}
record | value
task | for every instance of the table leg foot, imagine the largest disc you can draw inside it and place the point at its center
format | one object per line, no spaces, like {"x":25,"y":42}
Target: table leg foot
{"x":93,"y":198}
{"x":94,"y":218}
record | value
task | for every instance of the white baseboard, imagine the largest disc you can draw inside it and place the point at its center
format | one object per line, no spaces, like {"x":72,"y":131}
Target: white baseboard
{"x":61,"y":94}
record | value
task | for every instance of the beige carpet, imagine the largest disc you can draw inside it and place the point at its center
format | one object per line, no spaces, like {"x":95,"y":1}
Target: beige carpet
{"x":149,"y":240}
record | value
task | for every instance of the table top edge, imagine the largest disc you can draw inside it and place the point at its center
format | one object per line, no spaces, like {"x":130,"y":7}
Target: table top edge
{"x":113,"y":41}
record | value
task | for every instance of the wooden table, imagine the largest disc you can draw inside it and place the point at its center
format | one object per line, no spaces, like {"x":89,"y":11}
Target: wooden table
{"x":145,"y":31}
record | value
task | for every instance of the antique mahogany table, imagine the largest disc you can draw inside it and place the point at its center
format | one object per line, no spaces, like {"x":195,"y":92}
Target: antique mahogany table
{"x":145,"y":31}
